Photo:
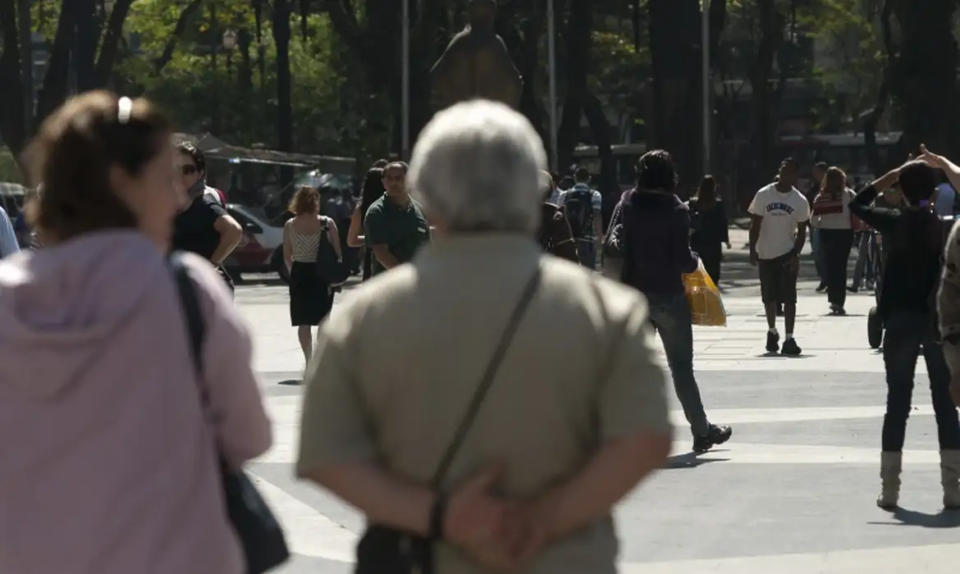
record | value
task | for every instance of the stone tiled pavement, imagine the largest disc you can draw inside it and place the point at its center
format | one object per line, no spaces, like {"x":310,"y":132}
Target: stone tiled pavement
{"x":791,"y":493}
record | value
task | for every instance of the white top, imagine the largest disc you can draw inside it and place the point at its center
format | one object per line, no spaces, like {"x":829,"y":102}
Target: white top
{"x":839,"y":220}
{"x":781,"y":213}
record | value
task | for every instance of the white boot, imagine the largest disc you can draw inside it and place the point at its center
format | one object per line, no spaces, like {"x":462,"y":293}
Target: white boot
{"x":891,"y":464}
{"x":950,"y":477}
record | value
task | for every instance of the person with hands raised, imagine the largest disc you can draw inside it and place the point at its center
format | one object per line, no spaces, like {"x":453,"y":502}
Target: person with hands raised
{"x":913,"y":244}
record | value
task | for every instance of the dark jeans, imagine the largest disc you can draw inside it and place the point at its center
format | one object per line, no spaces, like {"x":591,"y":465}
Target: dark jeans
{"x":711,"y":255}
{"x":867,"y":251}
{"x":817,"y":253}
{"x":836,"y":244}
{"x":905,"y":334}
{"x":670,"y":316}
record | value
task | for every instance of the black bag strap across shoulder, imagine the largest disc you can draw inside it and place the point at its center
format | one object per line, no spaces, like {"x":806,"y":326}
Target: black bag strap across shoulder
{"x":487,"y":379}
{"x":257,"y":529}
{"x":196,"y":328}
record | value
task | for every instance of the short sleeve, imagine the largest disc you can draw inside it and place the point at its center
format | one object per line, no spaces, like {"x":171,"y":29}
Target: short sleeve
{"x":334,"y":427}
{"x":210,"y":211}
{"x":756,"y":207}
{"x":802,"y":214}
{"x":374,"y":227}
{"x":633,"y":398}
{"x":597,"y":201}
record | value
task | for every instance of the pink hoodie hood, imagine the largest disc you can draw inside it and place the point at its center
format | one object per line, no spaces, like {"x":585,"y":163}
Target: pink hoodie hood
{"x":108,"y":462}
{"x":57,"y":306}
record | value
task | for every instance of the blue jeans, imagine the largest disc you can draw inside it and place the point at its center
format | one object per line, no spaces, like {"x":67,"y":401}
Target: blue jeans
{"x":908,"y":336}
{"x":587,"y":250}
{"x":865,"y":263}
{"x":670,"y":316}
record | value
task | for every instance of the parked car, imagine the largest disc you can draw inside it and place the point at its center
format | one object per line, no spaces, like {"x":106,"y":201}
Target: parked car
{"x":261,"y":249}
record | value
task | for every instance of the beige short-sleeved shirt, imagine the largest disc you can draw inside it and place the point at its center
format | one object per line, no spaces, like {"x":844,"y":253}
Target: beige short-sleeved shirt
{"x":396,"y":366}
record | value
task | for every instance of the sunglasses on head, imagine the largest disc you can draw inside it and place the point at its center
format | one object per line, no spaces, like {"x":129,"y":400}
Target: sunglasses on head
{"x":188,"y":169}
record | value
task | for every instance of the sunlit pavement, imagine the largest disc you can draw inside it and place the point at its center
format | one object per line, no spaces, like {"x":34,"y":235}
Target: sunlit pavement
{"x":792,"y":492}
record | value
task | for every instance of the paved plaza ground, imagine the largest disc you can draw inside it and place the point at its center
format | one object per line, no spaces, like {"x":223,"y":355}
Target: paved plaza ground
{"x":792,"y":492}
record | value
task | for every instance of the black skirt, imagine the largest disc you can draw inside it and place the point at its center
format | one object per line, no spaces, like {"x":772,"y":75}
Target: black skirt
{"x":310,"y":300}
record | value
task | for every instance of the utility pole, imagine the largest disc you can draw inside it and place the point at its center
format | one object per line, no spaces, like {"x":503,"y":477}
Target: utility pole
{"x":707,"y":87}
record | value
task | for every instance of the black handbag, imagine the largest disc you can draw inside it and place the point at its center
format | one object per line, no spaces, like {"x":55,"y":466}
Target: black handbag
{"x":329,"y":267}
{"x":386,"y":550}
{"x":260,"y":535}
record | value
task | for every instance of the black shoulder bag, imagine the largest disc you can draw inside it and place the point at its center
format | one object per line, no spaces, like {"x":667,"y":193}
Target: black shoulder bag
{"x":259,"y":532}
{"x":386,"y":550}
{"x":329,"y":267}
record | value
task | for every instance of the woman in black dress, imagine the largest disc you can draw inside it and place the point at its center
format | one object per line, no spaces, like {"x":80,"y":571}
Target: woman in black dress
{"x":310,"y":299}
{"x":372,"y":190}
{"x":708,"y":223}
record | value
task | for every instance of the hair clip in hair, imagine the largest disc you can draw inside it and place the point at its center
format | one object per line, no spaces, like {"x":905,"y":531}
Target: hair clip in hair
{"x":124,"y":110}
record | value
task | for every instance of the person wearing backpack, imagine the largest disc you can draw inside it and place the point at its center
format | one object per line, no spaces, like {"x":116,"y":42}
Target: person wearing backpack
{"x":913,"y":237}
{"x":583,"y":207}
{"x":554,"y":235}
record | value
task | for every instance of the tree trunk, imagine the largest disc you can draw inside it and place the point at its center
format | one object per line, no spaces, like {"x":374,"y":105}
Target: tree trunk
{"x":763,"y":129}
{"x":185,"y":19}
{"x":375,"y":45}
{"x":281,"y":37}
{"x":924,"y":75}
{"x":578,"y":40}
{"x":675,"y":52}
{"x":85,"y":45}
{"x":245,"y":73}
{"x":56,"y":82}
{"x":112,"y":40}
{"x":26,"y":62}
{"x":524,"y":46}
{"x":608,"y":185}
{"x":12,"y":127}
{"x":883,"y":95}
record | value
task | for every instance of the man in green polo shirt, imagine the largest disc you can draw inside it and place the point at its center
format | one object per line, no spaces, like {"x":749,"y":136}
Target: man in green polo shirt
{"x":394,"y":225}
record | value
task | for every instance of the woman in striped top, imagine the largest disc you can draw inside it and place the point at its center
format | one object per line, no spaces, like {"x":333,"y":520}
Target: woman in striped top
{"x":310,"y":298}
{"x":832,"y":217}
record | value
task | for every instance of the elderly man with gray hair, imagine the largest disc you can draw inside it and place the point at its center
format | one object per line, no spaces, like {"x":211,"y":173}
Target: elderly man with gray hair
{"x":440,"y":401}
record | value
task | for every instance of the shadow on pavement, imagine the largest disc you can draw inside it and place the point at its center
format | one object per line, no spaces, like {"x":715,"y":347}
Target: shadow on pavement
{"x":904,"y":517}
{"x":690,"y":460}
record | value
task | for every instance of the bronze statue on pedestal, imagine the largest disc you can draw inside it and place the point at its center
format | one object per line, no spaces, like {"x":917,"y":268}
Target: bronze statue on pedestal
{"x":476,"y":63}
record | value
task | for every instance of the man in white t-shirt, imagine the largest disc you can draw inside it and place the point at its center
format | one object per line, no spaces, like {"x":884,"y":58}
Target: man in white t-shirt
{"x":778,"y":219}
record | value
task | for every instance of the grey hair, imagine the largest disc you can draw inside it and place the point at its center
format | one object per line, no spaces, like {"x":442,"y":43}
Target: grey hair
{"x":476,"y":167}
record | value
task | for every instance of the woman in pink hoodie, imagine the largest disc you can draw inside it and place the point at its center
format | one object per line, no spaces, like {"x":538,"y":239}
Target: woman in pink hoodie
{"x":108,"y":463}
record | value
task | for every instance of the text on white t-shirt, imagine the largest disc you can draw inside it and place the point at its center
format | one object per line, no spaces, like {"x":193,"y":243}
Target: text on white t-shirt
{"x":781,"y":213}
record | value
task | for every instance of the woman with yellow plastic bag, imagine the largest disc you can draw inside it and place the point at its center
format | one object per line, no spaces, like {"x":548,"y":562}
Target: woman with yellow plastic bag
{"x":648,"y":248}
{"x":703,"y":296}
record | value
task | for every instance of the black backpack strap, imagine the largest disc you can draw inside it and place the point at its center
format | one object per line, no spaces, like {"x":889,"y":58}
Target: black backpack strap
{"x":196,"y":328}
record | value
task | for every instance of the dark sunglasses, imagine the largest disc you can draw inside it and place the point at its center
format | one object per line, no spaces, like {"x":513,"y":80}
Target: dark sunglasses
{"x":188,"y":169}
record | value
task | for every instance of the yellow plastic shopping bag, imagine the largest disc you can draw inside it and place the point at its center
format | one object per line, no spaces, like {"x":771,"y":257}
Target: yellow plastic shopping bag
{"x":706,"y":305}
